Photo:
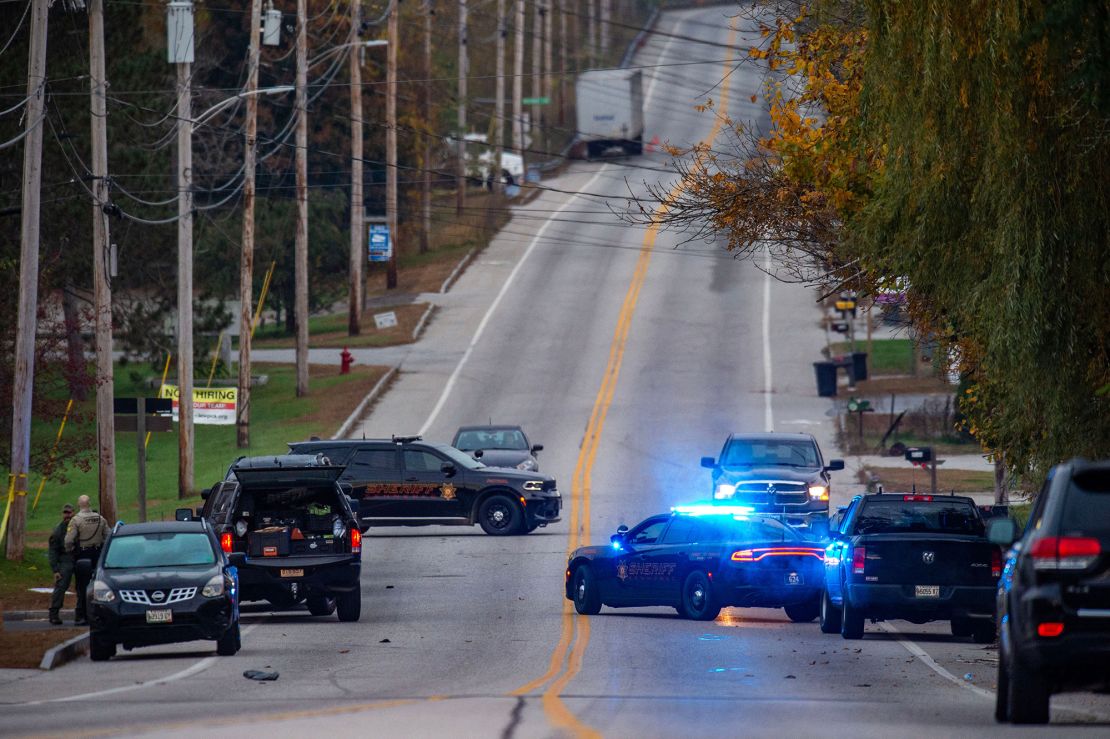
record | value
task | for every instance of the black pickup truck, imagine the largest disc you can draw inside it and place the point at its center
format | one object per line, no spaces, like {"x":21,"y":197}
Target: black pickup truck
{"x":914,"y":557}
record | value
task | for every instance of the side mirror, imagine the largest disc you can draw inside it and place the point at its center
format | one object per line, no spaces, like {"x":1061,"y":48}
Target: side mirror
{"x":83,"y":568}
{"x":834,"y":465}
{"x":205,"y":493}
{"x":537,"y":448}
{"x":478,"y":454}
{"x":183,"y":514}
{"x":1002,"y":531}
{"x":448,"y":469}
{"x":237,"y":559}
{"x":708,"y":462}
{"x":622,"y":529}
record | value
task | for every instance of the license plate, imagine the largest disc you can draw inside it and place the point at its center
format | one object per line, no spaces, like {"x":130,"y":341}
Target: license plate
{"x":164,"y":616}
{"x":926,"y":591}
{"x":794,"y":578}
{"x":292,"y":573}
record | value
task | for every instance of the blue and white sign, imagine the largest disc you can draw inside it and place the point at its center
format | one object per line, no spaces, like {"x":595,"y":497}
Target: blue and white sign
{"x":379,"y":246}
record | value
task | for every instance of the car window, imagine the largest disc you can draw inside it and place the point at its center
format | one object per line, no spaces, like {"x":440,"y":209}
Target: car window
{"x":491,"y":439}
{"x":420,"y":461}
{"x":222,"y":498}
{"x":372,"y":463}
{"x":1036,"y":516}
{"x":708,"y":531}
{"x":761,"y":529}
{"x":846,"y":518}
{"x":648,"y":532}
{"x":681,"y":531}
{"x":159,"y":550}
{"x":335,"y":454}
{"x":1087,"y":504}
{"x":755,"y":452}
{"x":896,"y":516}
{"x":463,"y":461}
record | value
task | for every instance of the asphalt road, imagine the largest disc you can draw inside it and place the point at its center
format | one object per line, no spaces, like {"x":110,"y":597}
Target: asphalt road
{"x":628,"y":356}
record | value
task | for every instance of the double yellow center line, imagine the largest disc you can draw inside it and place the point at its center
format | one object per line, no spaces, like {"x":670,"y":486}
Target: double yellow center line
{"x":566,"y":659}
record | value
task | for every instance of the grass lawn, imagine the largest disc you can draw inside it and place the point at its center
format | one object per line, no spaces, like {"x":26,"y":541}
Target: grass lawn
{"x":330,"y":331}
{"x":888,"y":356}
{"x":896,"y":479}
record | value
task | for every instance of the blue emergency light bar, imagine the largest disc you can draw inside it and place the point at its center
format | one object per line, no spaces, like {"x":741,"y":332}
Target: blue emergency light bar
{"x":708,"y":509}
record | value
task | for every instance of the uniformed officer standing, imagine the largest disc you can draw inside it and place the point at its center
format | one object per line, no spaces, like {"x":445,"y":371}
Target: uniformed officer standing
{"x":84,"y":538}
{"x":61,"y":563}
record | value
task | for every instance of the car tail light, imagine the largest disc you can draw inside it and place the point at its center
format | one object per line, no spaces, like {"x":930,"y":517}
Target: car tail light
{"x":858,"y":555}
{"x":1050,"y":629}
{"x":743,"y":555}
{"x":1064,"y":553}
{"x":918,"y":498}
{"x":225,"y":542}
{"x":996,"y":564}
{"x":356,"y":540}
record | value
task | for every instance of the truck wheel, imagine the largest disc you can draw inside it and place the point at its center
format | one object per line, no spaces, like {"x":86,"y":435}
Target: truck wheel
{"x":587,"y":599}
{"x":320,"y":604}
{"x":500,"y":515}
{"x":1002,"y":693}
{"x":830,"y":615}
{"x":698,"y":600}
{"x":962,"y":627}
{"x":1029,"y":694}
{"x":851,"y":620}
{"x":803,"y":613}
{"x":101,"y":649}
{"x":349,"y":605}
{"x":228,"y":644}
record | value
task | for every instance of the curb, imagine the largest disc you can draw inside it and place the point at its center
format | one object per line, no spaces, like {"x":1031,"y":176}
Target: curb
{"x":423,"y":320}
{"x":33,"y":615}
{"x":455,"y":273}
{"x":371,"y":396}
{"x":65,"y":652}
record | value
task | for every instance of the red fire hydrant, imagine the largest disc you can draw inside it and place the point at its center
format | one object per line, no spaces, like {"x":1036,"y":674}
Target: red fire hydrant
{"x":345,"y":362}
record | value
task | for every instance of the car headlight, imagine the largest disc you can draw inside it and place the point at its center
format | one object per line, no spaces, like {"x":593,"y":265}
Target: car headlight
{"x":241,"y":528}
{"x":214,"y":587}
{"x":533,"y":486}
{"x":528,"y":464}
{"x":724,"y":490}
{"x":818,"y":492}
{"x":102,"y":593}
{"x":337,"y":528}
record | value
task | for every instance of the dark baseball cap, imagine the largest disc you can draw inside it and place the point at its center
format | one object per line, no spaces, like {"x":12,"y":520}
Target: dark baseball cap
{"x":67,"y":508}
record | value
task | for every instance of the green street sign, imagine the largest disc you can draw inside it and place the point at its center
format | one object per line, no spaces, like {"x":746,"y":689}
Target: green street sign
{"x":536,"y":101}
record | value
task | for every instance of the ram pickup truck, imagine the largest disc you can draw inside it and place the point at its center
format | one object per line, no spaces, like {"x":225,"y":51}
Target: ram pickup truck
{"x":914,"y":557}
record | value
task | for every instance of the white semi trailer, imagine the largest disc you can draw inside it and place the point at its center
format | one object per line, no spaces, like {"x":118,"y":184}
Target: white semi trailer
{"x":610,"y":105}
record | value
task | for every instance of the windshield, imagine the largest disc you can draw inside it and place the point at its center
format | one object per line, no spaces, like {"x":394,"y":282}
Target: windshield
{"x":722,"y":529}
{"x":758,"y":452}
{"x":511,"y":439}
{"x":159,"y":550}
{"x":461,"y":460}
{"x":940,"y":517}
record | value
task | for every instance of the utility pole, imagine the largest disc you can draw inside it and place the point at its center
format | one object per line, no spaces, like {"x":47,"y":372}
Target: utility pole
{"x":537,"y":64}
{"x":246,"y":254}
{"x":24,"y":360}
{"x":183,"y":57}
{"x":460,"y":144}
{"x":300,"y":249}
{"x":426,"y":187}
{"x":102,"y":291}
{"x":499,"y":104}
{"x":548,"y":42}
{"x":354,"y":297}
{"x":518,"y":80}
{"x":391,"y":143}
{"x":562,"y":62}
{"x":603,"y":28}
{"x":591,"y":18}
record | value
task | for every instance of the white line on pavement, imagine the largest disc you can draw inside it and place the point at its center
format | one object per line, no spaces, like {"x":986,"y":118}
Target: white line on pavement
{"x":200,"y":666}
{"x":931,"y":663}
{"x":497,"y":301}
{"x":768,"y":382}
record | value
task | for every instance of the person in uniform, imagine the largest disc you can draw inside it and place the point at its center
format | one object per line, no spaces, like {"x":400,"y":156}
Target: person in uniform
{"x":61,"y":563}
{"x":84,"y":538}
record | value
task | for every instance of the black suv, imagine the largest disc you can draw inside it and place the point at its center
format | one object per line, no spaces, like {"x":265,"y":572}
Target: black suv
{"x":774,"y":473}
{"x":404,"y":481}
{"x":297,"y":529}
{"x":161,"y":583}
{"x":1054,"y":595}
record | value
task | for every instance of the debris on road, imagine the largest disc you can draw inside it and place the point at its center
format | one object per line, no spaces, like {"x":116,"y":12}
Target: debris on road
{"x":260,"y":675}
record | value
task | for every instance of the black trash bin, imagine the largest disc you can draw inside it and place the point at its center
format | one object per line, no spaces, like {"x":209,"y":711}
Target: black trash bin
{"x":859,"y":366}
{"x":826,"y":378}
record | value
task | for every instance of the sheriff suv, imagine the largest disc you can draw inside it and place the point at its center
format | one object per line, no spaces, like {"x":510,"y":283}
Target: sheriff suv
{"x":1054,"y":596}
{"x":781,"y":474}
{"x":405,"y":481}
{"x":297,"y":529}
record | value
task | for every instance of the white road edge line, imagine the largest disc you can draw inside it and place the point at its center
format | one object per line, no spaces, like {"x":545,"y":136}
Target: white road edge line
{"x":768,"y":380}
{"x":200,"y":666}
{"x":931,"y":663}
{"x":497,"y":301}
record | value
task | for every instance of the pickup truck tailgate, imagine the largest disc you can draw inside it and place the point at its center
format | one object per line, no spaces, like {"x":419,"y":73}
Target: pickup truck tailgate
{"x":926,"y":559}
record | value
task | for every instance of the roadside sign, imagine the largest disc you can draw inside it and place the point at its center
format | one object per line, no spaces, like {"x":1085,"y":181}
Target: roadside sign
{"x":385,"y":320}
{"x":379,"y":246}
{"x":214,"y":406}
{"x":536,"y":101}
